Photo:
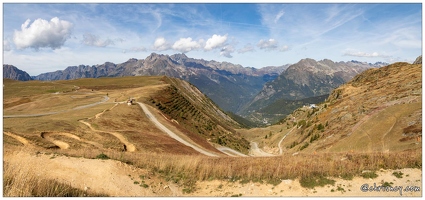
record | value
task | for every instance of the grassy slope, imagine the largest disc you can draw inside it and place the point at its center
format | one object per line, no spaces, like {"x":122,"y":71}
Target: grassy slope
{"x":39,"y":97}
{"x":197,"y":114}
{"x":378,"y":111}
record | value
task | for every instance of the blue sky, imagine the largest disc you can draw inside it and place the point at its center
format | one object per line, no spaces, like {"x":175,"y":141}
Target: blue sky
{"x":46,"y":37}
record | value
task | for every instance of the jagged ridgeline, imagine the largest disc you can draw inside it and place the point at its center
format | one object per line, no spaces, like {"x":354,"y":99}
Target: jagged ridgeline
{"x":196,"y":113}
{"x":228,"y":85}
{"x":306,"y":82}
{"x":12,"y":72}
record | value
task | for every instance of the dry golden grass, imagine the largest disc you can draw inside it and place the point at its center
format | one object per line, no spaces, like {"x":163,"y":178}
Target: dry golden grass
{"x":21,"y":180}
{"x":186,"y":170}
{"x":368,"y":114}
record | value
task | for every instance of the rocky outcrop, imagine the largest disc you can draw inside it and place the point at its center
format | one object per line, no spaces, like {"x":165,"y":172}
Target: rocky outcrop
{"x":418,"y":60}
{"x":12,"y":72}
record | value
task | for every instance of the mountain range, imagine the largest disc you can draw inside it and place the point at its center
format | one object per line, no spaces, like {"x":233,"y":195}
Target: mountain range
{"x":301,"y":82}
{"x":228,"y":85}
{"x":245,"y":91}
{"x":12,"y":72}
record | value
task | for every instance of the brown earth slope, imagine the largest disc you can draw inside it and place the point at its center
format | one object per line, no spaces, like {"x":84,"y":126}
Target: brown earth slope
{"x":379,"y":110}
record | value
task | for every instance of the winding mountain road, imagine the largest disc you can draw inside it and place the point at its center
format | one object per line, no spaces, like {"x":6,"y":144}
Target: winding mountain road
{"x":231,"y":152}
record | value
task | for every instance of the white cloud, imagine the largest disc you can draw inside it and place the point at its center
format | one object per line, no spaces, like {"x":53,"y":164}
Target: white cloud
{"x":226,"y":51}
{"x":93,"y":40}
{"x":186,"y":44}
{"x":42,"y":33}
{"x":161,"y":44}
{"x":278,"y":16}
{"x":270,"y":44}
{"x":216,"y":41}
{"x":6,"y":45}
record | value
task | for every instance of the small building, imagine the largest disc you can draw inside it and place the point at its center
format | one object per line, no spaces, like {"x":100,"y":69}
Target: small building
{"x":131,"y":101}
{"x":312,"y":106}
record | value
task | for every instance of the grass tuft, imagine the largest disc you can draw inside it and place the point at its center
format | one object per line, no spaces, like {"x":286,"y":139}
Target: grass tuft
{"x":311,"y":182}
{"x":398,"y":174}
{"x":102,"y":156}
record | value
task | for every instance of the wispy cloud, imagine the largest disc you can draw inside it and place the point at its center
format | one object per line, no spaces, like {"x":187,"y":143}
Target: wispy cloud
{"x":268,"y":45}
{"x":284,"y":48}
{"x":227,"y":51}
{"x":135,"y":49}
{"x":94,"y":40}
{"x":247,"y":48}
{"x":278,"y":16}
{"x":6,"y":45}
{"x":355,"y":53}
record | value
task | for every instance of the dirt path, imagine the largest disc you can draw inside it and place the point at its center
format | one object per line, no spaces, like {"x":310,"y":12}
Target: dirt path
{"x":365,"y":118}
{"x":19,"y":138}
{"x":255,"y":151}
{"x":130,"y":147}
{"x":171,"y":133}
{"x":99,"y":114}
{"x":63,"y":145}
{"x":386,"y":133}
{"x":280,"y":148}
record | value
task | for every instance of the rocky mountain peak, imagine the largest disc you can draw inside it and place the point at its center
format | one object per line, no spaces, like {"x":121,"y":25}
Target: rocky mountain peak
{"x":418,"y":60}
{"x":153,"y":57}
{"x":179,"y":57}
{"x":12,"y":72}
{"x":307,"y":62}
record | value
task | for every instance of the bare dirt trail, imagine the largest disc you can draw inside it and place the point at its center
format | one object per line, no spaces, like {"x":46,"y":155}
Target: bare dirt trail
{"x":63,"y":145}
{"x":171,"y":133}
{"x":280,"y":148}
{"x":99,"y":114}
{"x":19,"y":138}
{"x":129,"y":146}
